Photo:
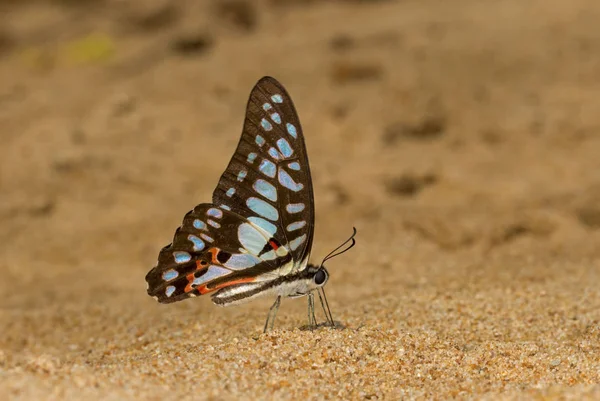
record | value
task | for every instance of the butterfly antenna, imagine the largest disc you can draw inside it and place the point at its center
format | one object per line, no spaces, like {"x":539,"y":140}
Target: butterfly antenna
{"x":320,"y":290}
{"x":333,"y":253}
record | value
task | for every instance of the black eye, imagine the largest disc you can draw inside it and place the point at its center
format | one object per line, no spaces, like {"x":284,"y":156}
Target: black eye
{"x":320,"y":277}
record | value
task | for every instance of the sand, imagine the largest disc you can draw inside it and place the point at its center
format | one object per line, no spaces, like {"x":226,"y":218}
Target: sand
{"x":460,"y":138}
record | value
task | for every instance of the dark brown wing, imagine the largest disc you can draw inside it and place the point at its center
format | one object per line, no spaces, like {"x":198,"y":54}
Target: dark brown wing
{"x":268,"y":178}
{"x":212,"y":249}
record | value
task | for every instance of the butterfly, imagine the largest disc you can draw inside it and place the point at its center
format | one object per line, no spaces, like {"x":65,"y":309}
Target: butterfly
{"x":256,"y":236}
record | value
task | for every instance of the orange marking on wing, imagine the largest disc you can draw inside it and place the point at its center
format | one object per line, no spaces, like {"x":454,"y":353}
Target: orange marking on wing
{"x":205,"y":290}
{"x":214,"y":252}
{"x":273,"y":245}
{"x":190,"y":279}
{"x":238,"y":281}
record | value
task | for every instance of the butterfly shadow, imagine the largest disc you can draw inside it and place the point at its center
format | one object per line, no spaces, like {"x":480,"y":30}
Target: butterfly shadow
{"x":337,"y":325}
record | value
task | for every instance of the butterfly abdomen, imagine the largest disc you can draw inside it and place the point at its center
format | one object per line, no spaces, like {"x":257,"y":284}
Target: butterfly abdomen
{"x":297,"y":284}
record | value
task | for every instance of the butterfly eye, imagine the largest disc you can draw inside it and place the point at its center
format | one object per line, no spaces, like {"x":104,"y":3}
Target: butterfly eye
{"x":320,"y":277}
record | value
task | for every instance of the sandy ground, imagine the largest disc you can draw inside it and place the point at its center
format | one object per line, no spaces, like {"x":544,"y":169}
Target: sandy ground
{"x":461,"y":139}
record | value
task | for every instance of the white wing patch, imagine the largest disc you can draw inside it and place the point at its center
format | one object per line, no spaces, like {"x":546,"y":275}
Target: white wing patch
{"x":251,"y":238}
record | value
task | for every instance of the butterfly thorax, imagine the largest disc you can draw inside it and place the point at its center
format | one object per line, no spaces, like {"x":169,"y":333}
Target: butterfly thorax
{"x":297,"y":284}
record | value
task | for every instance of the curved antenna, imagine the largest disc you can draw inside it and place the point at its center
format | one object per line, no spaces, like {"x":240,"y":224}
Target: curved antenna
{"x":333,"y":253}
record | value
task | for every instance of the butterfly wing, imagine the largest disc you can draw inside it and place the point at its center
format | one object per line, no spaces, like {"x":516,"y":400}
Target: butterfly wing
{"x":268,"y":178}
{"x":260,"y":225}
{"x":214,"y":248}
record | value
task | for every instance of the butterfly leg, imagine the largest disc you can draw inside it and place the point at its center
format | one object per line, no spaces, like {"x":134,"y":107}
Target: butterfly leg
{"x":271,"y":316}
{"x":326,"y":310}
{"x":312,"y":320}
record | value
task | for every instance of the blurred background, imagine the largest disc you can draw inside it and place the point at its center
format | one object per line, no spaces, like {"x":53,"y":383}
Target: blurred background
{"x":461,"y":139}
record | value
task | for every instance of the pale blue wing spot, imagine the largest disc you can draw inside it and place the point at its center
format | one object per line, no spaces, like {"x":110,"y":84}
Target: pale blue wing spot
{"x":170,"y":275}
{"x":199,"y":224}
{"x":170,"y":290}
{"x":181,"y":257}
{"x":295,"y":243}
{"x":215,"y":212}
{"x":270,"y":228}
{"x":212,"y":273}
{"x":267,"y":106}
{"x":284,"y":147}
{"x":266,"y":125}
{"x":277,"y":98}
{"x":241,"y":175}
{"x":276,"y":118}
{"x":260,"y":141}
{"x":294,"y":207}
{"x":267,"y":167}
{"x":262,"y":208}
{"x":291,"y":130}
{"x":274,"y":153}
{"x":296,"y":225}
{"x":269,"y":255}
{"x":225,"y":207}
{"x":213,"y":223}
{"x":265,"y":189}
{"x":241,"y":261}
{"x":230,"y":192}
{"x":294,"y":166}
{"x":287,"y":181}
{"x":206,"y":237}
{"x":251,"y":239}
{"x":197,"y":242}
{"x":251,"y":157}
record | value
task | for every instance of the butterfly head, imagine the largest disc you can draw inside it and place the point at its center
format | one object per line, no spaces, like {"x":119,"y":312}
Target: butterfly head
{"x":318,"y":275}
